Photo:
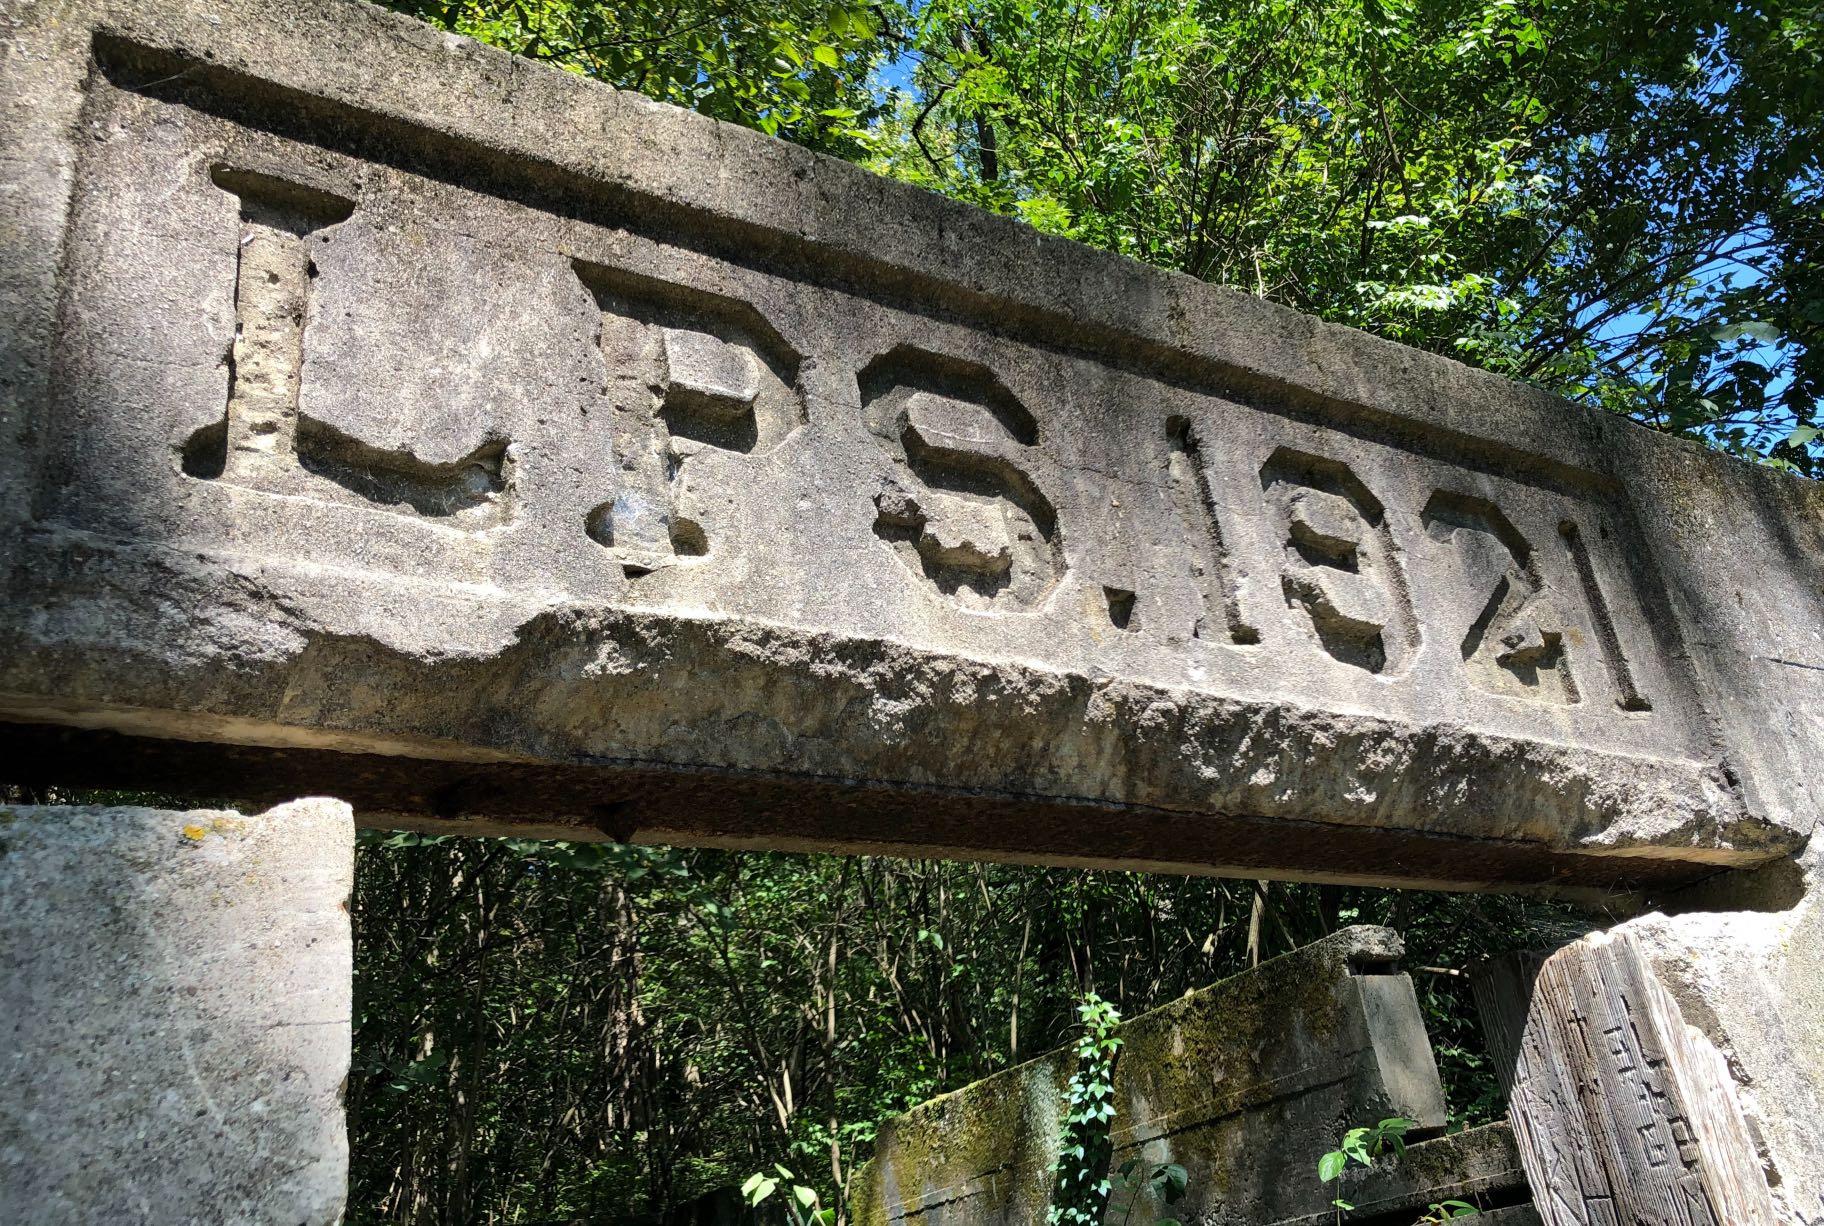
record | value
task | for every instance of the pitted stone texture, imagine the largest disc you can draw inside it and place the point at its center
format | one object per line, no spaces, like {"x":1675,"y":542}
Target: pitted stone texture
{"x":175,"y":989}
{"x":1244,"y":1083}
{"x":525,"y":446}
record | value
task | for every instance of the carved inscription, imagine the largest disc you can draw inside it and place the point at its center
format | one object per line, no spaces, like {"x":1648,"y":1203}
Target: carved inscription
{"x":1341,"y":569}
{"x":1627,"y":694}
{"x":271,"y":296}
{"x":1514,"y":642}
{"x":1209,"y":559}
{"x":688,"y":374}
{"x":963,"y":509}
{"x":1339,"y":565}
{"x":263,"y":441}
{"x":1622,"y":1112}
{"x":697,"y":384}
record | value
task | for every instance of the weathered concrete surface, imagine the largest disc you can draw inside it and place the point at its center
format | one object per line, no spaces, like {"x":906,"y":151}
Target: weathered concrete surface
{"x":1749,"y":973}
{"x":484,"y":444}
{"x":1480,"y":1166}
{"x":1245,"y":1084}
{"x":174,"y":1014}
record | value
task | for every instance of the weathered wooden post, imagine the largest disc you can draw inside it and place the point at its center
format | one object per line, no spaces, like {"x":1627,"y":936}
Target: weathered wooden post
{"x":1674,"y":1067}
{"x":1623,"y":1112}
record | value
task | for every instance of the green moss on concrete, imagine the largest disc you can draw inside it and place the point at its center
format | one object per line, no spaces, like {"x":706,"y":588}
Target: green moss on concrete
{"x":1203,"y":1080}
{"x":992,"y":1142}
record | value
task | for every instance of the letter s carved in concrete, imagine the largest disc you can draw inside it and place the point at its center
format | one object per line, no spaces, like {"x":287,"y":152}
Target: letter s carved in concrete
{"x":962,"y":508}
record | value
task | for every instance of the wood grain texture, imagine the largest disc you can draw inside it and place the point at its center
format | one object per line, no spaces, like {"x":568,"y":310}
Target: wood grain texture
{"x":1503,"y":988}
{"x":1624,"y":1115}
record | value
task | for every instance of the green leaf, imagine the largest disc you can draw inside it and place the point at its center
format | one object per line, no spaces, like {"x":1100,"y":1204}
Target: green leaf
{"x":1331,"y":1165}
{"x":1177,"y":1179}
{"x":826,"y":55}
{"x":806,"y":1196}
{"x":1766,"y":333}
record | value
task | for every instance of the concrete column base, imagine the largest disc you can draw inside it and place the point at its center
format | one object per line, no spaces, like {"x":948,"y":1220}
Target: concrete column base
{"x":175,"y":999}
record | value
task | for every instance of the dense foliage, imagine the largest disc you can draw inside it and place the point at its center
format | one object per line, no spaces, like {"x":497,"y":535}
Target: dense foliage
{"x":546,"y":1031}
{"x":1618,"y":200}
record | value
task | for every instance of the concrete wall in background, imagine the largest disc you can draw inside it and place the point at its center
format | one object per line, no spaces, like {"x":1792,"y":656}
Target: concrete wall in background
{"x":1245,"y":1084}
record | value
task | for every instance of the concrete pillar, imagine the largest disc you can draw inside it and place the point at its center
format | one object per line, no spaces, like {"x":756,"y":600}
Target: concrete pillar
{"x":175,"y":997}
{"x":1748,"y":971}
